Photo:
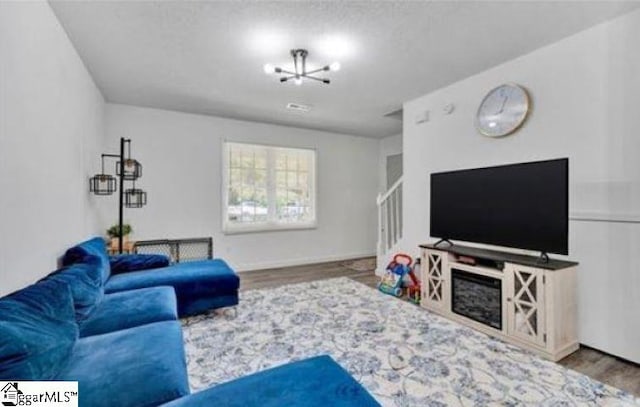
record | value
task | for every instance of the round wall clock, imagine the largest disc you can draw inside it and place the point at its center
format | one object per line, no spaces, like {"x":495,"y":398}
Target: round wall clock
{"x":503,"y":110}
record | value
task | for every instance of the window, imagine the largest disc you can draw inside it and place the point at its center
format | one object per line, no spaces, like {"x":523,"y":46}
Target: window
{"x":268,"y":188}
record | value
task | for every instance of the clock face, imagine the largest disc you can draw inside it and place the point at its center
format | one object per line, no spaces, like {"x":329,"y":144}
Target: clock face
{"x":502,"y":111}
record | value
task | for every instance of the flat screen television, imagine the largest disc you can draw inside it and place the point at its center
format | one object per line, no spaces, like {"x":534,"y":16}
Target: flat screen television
{"x":523,"y":206}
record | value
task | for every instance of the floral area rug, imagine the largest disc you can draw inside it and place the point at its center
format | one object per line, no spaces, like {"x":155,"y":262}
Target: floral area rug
{"x":403,"y":354}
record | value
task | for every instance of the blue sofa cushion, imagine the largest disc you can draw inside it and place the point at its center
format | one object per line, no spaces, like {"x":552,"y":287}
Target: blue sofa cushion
{"x":314,"y":382}
{"x":37,"y":331}
{"x":193,"y":281}
{"x":123,"y":263}
{"x":137,"y":367}
{"x":132,"y":308}
{"x":83,"y":253}
{"x":85,"y":281}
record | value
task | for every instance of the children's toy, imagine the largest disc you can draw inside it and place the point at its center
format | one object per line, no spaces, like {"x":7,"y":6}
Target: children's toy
{"x":391,"y":282}
{"x":414,"y":290}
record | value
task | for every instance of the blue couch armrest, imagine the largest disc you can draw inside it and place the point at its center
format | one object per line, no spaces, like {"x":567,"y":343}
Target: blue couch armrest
{"x":124,"y":263}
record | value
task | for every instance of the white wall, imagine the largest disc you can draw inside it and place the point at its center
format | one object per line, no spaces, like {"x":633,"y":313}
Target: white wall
{"x":586,"y":96}
{"x":181,"y":154}
{"x":50,"y":123}
{"x":391,"y":145}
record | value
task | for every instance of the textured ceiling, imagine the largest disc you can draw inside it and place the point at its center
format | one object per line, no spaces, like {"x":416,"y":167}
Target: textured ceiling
{"x":207,"y":57}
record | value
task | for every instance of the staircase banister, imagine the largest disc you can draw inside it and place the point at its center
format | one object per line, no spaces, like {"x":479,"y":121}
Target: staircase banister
{"x":383,"y":197}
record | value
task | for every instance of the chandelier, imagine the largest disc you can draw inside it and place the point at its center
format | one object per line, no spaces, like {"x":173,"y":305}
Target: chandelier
{"x":300,"y":69}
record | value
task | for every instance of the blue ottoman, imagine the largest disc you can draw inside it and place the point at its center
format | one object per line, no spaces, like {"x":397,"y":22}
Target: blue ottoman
{"x":314,"y":382}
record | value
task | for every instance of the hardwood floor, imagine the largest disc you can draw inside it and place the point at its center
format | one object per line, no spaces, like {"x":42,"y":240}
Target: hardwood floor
{"x":608,"y":369}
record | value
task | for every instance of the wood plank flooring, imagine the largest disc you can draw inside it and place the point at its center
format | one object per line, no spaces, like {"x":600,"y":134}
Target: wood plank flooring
{"x":608,"y":369}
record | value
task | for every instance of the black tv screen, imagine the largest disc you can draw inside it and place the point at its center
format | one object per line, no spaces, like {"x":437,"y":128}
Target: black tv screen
{"x":523,"y":206}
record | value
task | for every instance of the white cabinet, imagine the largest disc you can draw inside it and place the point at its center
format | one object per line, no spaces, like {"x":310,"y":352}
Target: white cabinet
{"x":537,"y":302}
{"x":434,"y":284}
{"x":525,"y":303}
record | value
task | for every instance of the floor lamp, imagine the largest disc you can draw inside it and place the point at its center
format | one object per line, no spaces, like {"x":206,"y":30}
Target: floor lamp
{"x":127,"y":169}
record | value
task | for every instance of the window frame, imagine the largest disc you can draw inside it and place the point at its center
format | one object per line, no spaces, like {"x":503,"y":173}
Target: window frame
{"x":271,"y":225}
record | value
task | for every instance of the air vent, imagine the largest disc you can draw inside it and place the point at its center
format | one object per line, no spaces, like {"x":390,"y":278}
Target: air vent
{"x":298,"y":107}
{"x":394,"y":114}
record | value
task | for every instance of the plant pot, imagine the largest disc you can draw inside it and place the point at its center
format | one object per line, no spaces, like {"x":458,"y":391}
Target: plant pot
{"x":115,"y":242}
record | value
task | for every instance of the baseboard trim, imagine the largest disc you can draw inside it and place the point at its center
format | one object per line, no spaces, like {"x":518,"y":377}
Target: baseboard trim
{"x":244,"y":268}
{"x":613,"y":355}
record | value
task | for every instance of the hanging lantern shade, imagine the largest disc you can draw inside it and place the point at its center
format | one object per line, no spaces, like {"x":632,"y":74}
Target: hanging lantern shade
{"x":132,"y":169}
{"x":135,"y":198}
{"x":102,"y":184}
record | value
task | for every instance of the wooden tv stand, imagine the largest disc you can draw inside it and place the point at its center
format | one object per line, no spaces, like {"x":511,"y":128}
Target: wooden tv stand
{"x":537,"y":300}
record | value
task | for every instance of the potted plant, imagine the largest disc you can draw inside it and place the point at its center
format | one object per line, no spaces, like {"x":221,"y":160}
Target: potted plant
{"x":114,"y":233}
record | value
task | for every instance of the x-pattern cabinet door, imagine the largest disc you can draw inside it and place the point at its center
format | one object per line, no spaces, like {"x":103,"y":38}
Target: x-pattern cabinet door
{"x":434,"y":291}
{"x":525,"y":303}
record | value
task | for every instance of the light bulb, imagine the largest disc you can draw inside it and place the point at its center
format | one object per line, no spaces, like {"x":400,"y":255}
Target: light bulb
{"x":335,"y":66}
{"x":269,"y":69}
{"x":297,"y":81}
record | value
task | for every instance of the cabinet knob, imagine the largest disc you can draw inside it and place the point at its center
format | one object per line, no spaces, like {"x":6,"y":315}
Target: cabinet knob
{"x":509,"y":299}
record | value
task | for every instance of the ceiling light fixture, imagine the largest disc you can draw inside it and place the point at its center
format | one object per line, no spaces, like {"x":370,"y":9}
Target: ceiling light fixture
{"x":300,"y":69}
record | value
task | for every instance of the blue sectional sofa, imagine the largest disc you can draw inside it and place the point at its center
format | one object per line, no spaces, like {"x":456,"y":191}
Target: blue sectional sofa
{"x":199,"y":285}
{"x":112,"y":325}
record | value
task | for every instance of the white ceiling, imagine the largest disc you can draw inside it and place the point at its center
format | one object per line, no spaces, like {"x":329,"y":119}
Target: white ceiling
{"x":207,"y":57}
